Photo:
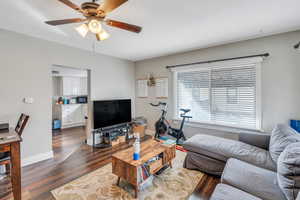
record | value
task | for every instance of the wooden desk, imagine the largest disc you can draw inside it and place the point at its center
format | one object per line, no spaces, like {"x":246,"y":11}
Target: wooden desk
{"x":10,"y":142}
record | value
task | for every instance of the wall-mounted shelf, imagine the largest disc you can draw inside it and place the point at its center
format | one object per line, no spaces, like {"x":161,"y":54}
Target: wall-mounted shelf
{"x":161,"y":88}
{"x":142,"y":88}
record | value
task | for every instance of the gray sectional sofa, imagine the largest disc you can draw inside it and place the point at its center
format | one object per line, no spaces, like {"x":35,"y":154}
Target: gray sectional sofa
{"x":209,"y":153}
{"x":255,"y":167}
{"x":253,"y":181}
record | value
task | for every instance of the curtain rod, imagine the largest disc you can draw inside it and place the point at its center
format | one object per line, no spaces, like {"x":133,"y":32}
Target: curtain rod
{"x":218,"y":60}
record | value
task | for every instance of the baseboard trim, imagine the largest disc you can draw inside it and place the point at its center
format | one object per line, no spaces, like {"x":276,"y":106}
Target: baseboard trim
{"x":72,"y":125}
{"x":36,"y":158}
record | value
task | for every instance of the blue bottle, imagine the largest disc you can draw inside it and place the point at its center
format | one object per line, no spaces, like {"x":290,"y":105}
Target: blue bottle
{"x":137,"y":147}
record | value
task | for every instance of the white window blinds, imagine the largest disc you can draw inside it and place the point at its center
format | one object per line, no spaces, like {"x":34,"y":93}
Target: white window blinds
{"x":224,"y":96}
{"x":193,"y":93}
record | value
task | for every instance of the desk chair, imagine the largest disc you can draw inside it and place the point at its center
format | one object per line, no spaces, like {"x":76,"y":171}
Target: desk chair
{"x":4,"y":154}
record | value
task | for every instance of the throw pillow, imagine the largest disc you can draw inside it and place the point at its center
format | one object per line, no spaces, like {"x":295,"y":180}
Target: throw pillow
{"x":288,"y":171}
{"x":282,"y":136}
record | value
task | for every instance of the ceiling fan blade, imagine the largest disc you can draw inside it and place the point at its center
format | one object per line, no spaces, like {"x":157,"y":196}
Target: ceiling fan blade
{"x":109,"y":5}
{"x":70,"y":4}
{"x":125,"y":26}
{"x":64,"y":21}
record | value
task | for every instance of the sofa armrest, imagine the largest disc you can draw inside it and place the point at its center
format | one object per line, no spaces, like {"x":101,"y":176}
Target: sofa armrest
{"x":260,"y":140}
{"x":298,"y":196}
{"x":252,"y":179}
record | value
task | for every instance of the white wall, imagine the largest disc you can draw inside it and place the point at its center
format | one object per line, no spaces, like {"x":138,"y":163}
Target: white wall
{"x":280,"y":77}
{"x":25,"y":71}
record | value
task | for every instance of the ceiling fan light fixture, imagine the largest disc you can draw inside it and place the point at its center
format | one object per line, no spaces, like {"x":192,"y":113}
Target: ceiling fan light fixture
{"x":82,"y":30}
{"x":94,"y":16}
{"x":95,"y":26}
{"x":103,"y":35}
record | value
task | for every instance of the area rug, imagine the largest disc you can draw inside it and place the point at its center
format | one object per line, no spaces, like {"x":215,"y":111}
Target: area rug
{"x":175,"y":183}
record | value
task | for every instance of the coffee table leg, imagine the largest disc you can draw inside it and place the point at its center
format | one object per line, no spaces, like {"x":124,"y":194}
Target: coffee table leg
{"x":118,"y":182}
{"x":136,"y":188}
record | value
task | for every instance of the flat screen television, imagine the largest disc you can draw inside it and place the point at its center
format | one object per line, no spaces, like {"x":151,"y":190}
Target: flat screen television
{"x":111,"y":112}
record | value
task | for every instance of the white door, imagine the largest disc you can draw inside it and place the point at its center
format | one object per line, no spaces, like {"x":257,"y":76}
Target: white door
{"x":66,"y":115}
{"x":77,"y":114}
{"x":75,"y":86}
{"x":67,"y":86}
{"x":72,"y":115}
{"x":83,"y":86}
{"x":71,"y":86}
{"x":84,"y":109}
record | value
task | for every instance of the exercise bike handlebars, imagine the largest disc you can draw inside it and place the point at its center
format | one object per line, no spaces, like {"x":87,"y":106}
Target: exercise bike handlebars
{"x":183,"y":110}
{"x":159,"y":103}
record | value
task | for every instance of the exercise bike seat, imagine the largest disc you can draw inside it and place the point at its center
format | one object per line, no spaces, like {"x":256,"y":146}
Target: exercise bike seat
{"x":185,"y":110}
{"x":185,"y":116}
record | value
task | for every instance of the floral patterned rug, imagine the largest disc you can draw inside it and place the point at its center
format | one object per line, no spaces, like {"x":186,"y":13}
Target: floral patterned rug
{"x":175,"y":183}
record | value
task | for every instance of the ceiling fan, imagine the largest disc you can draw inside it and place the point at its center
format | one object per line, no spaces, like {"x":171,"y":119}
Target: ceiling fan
{"x":95,"y":15}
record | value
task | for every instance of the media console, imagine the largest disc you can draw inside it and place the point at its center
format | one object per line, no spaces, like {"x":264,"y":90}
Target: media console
{"x":111,"y":133}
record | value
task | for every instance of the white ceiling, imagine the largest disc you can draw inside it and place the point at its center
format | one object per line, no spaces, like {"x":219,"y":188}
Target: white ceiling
{"x":169,"y":26}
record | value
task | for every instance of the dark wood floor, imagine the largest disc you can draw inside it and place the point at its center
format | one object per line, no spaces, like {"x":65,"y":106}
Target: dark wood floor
{"x":72,"y":159}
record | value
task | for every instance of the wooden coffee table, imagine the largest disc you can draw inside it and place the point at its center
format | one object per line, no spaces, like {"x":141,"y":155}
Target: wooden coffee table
{"x":125,"y":167}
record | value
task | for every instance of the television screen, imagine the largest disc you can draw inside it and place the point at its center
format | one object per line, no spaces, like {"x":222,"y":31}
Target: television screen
{"x":112,"y":112}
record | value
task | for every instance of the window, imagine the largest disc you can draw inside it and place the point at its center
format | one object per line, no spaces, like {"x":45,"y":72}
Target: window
{"x":231,"y":96}
{"x":226,"y":95}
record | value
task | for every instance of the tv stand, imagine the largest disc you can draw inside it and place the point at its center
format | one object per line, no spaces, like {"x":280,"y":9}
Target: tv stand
{"x":108,"y":134}
{"x":101,"y":146}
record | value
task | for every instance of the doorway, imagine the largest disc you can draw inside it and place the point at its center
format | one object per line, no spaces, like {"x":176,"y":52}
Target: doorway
{"x":70,"y":98}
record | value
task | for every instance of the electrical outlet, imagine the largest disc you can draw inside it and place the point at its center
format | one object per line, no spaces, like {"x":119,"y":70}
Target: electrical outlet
{"x":29,"y":100}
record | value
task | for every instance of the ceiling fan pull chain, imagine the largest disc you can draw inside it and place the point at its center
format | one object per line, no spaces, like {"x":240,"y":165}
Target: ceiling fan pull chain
{"x":94,"y":51}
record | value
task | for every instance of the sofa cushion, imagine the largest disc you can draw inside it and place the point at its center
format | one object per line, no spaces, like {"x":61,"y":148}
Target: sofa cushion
{"x":258,"y":139}
{"x":282,"y":136}
{"x":226,"y":192}
{"x":288,"y":171}
{"x":252,"y":179}
{"x":222,"y":149}
{"x":196,"y":161}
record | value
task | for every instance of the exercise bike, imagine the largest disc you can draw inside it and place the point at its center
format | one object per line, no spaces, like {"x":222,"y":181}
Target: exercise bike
{"x":162,"y":126}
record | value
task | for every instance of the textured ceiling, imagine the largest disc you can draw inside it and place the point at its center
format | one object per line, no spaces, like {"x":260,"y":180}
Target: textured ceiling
{"x":169,"y":26}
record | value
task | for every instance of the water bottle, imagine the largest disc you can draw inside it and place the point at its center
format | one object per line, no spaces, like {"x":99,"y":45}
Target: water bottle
{"x":137,"y":147}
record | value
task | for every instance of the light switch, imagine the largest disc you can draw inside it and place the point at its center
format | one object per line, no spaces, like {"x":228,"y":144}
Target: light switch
{"x":28,"y":100}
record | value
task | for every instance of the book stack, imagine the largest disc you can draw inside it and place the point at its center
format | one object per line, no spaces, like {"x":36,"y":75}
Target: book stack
{"x":2,"y":172}
{"x":144,"y":170}
{"x":143,"y":173}
{"x":169,"y":142}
